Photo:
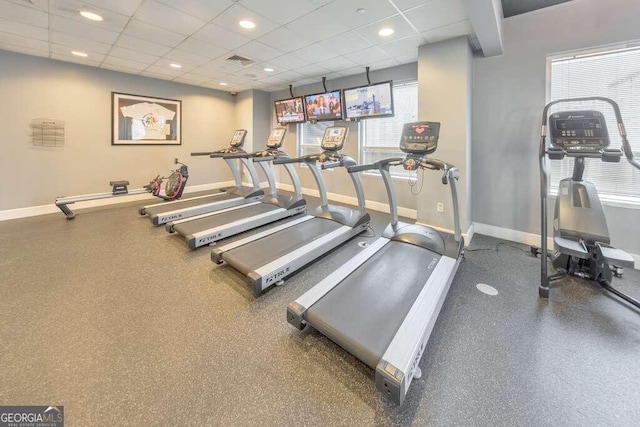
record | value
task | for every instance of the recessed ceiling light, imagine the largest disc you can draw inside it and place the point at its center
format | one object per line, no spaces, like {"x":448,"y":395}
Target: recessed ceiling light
{"x":223,"y":84}
{"x":91,"y":15}
{"x":175,"y":65}
{"x":82,"y":54}
{"x":361,"y":11}
{"x":247,"y":24}
{"x":269,"y":70}
{"x":386,"y":32}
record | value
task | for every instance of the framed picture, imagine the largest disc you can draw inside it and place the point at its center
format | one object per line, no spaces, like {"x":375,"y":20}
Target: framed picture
{"x":145,"y":120}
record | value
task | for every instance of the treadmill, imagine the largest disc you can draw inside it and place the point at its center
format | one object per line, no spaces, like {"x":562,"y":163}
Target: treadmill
{"x":161,"y":213}
{"x":209,"y":228}
{"x":382,"y":304}
{"x":267,"y":258}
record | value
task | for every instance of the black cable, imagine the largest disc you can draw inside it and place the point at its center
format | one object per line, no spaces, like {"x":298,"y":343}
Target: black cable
{"x":497,"y":248}
{"x":412,"y":183}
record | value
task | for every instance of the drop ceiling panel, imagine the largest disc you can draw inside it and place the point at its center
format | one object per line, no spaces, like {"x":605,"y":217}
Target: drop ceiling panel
{"x":120,"y":68}
{"x":258,"y":51}
{"x":24,"y":30}
{"x":75,"y":59}
{"x":408,"y":4}
{"x":315,"y":53}
{"x":346,"y":11}
{"x":70,"y":9}
{"x":318,"y":25}
{"x":152,"y":33}
{"x":123,"y":7}
{"x":66,"y":51}
{"x":338,"y":64}
{"x":400,"y":26}
{"x":345,"y":43}
{"x":165,"y":64}
{"x":132,"y":55}
{"x":290,"y":76}
{"x":81,"y":29}
{"x":220,"y":37}
{"x":201,"y":48}
{"x":404,"y":47}
{"x":181,"y":56}
{"x":125,"y":63}
{"x":191,"y":78}
{"x":203,"y":9}
{"x":230,"y":18}
{"x":164,"y":70}
{"x":456,"y":29}
{"x":288,"y":62}
{"x":140,"y":45}
{"x":24,"y":50}
{"x":12,"y":39}
{"x":312,"y":70}
{"x":437,"y":13}
{"x":285,"y":40}
{"x":26,"y":15}
{"x":168,"y":18}
{"x":286,"y":10}
{"x":80,"y":43}
{"x":368,"y":56}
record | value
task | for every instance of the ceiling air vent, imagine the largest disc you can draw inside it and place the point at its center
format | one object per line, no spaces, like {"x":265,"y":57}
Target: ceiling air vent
{"x":240,"y":60}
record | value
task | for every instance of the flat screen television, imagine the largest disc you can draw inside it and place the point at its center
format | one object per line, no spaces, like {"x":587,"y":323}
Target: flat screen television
{"x":323,"y":106}
{"x":375,"y":100}
{"x":290,"y":110}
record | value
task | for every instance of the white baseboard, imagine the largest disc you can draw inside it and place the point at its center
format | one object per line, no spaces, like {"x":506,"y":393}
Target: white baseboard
{"x":52,"y":208}
{"x":522,"y":237}
{"x":466,"y":236}
{"x":375,"y":206}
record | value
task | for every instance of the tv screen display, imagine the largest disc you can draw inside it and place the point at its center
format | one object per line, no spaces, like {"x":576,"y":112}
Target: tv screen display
{"x":375,"y":100}
{"x":290,"y":110}
{"x":324,"y":106}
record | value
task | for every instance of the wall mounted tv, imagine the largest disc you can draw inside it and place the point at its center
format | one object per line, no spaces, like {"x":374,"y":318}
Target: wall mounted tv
{"x":375,"y":100}
{"x":323,"y":106}
{"x":290,"y":111}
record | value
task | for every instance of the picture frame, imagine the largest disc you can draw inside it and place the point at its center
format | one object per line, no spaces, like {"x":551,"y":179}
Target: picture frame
{"x":145,"y":120}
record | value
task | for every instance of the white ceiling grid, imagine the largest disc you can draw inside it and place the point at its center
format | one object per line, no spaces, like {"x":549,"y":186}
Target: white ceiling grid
{"x":301,"y":40}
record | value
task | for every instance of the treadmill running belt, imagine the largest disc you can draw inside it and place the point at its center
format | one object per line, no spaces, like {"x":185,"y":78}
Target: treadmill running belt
{"x":202,"y":224}
{"x":363,"y":313}
{"x":187,"y":203}
{"x":250,"y":257}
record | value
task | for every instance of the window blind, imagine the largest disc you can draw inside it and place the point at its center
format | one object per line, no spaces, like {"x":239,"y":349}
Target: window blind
{"x":614,"y":74}
{"x":380,"y":138}
{"x":310,"y":136}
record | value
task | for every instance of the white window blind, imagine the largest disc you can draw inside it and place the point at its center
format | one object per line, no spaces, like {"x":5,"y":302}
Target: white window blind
{"x":613,"y":74}
{"x":310,"y":136}
{"x":380,"y":138}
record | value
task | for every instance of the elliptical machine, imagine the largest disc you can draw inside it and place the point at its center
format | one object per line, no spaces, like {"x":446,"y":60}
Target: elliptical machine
{"x":580,"y":233}
{"x":173,"y":190}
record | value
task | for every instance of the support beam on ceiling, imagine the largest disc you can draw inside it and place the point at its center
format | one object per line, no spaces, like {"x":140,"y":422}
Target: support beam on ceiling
{"x":486,"y":19}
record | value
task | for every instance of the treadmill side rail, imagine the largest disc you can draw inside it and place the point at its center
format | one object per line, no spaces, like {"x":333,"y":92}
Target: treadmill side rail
{"x":398,"y":365}
{"x":217,"y":254}
{"x":277,"y":270}
{"x":297,"y":309}
{"x":165,"y":217}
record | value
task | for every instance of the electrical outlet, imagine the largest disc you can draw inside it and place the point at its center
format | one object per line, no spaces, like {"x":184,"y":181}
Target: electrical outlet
{"x":440,"y":207}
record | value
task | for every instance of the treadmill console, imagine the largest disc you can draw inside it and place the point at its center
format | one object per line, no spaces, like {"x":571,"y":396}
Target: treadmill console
{"x":334,"y":138}
{"x":578,"y":130}
{"x":237,"y":140}
{"x":420,"y":137}
{"x":276,"y":137}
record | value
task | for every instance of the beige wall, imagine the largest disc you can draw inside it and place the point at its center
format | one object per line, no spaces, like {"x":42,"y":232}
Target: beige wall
{"x":444,"y":85}
{"x":32,"y":87}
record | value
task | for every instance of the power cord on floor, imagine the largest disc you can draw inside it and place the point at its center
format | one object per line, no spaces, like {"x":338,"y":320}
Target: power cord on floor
{"x":497,"y":248}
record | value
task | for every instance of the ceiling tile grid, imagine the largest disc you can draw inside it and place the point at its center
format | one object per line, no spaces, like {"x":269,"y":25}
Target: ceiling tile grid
{"x":189,"y":41}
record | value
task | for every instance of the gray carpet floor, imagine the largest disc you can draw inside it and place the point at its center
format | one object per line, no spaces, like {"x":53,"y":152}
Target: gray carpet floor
{"x":119,"y":322}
